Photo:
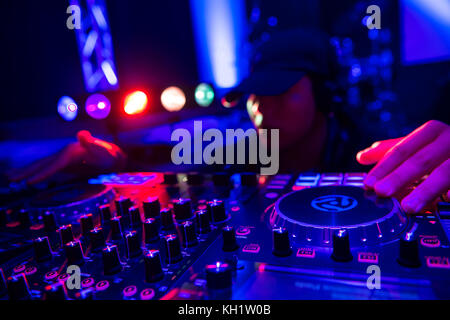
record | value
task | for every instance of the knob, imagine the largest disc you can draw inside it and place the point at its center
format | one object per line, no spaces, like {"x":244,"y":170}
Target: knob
{"x":74,"y":253}
{"x":341,"y":246}
{"x":170,"y":178}
{"x":281,"y":244}
{"x":65,"y":234}
{"x":221,"y":179}
{"x":218,"y":276}
{"x":151,"y":230}
{"x":111,"y":260}
{"x":409,"y":252}
{"x":229,"y":239}
{"x":153,"y":268}
{"x":135,"y":216}
{"x":24,"y":218}
{"x":97,"y":239}
{"x":105,"y":213}
{"x":133,"y":244}
{"x":152,"y":207}
{"x":188,"y":235}
{"x":217,"y":209}
{"x":182,"y":209}
{"x":203,"y":221}
{"x":3,"y":217}
{"x":116,"y":228}
{"x":173,"y":249}
{"x":18,"y":288}
{"x":42,"y":249}
{"x":249,"y":179}
{"x":166,"y":219}
{"x":3,"y":287}
{"x":55,"y":292}
{"x":49,"y":221}
{"x":87,"y":224}
{"x":194,"y":179}
{"x":122,"y":206}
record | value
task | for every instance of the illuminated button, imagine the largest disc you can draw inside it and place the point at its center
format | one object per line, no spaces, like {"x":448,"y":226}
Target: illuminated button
{"x":19,"y":268}
{"x":88,"y":282}
{"x":306,"y":253}
{"x":147,"y":294}
{"x":102,"y":285}
{"x":243,"y":231}
{"x":368,"y":257}
{"x":251,"y":248}
{"x":30,"y":270}
{"x":129,"y":291}
{"x":438,"y":262}
{"x":430,"y":242}
{"x":62,"y":277}
{"x":51,"y":275}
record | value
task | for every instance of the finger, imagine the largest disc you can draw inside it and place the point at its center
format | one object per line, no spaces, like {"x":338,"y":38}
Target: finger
{"x":437,"y":183}
{"x":23,"y":173}
{"x":403,"y":150}
{"x":376,"y":151}
{"x":415,"y":167}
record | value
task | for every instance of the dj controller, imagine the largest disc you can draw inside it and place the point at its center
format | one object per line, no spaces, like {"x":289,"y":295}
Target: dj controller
{"x":142,"y":236}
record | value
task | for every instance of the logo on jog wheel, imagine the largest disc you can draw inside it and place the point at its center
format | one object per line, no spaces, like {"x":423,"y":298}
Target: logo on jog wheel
{"x":334,"y":203}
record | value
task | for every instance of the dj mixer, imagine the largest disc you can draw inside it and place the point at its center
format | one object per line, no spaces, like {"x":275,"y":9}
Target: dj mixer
{"x":142,"y":236}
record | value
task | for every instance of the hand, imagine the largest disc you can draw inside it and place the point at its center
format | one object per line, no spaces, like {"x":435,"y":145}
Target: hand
{"x":423,"y":154}
{"x":95,"y":153}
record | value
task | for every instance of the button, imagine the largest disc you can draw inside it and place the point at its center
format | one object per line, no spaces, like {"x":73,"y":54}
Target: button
{"x":97,"y":238}
{"x":152,"y":207}
{"x":173,"y":249}
{"x":166,"y":219}
{"x":229,"y":239}
{"x":151,"y":230}
{"x":203,"y":221}
{"x":430,"y":242}
{"x":74,"y":253}
{"x":409,"y":252}
{"x":182,"y":209}
{"x":243,"y":231}
{"x":111,"y":260}
{"x":153,"y":268}
{"x":87,"y":224}
{"x":88,"y":282}
{"x":105,"y":213}
{"x":135,"y":217}
{"x":42,"y":249}
{"x":18,"y":288}
{"x":102,"y":285}
{"x":147,"y":294}
{"x":281,"y":245}
{"x":341,"y":246}
{"x":188,"y":234}
{"x":251,"y":248}
{"x":49,"y":221}
{"x":218,"y":276}
{"x":65,"y":234}
{"x":116,"y":228}
{"x":129,"y":291}
{"x":306,"y":253}
{"x":133,"y":244}
{"x":217,"y":209}
{"x":367,"y":257}
{"x":438,"y":262}
{"x":51,"y":275}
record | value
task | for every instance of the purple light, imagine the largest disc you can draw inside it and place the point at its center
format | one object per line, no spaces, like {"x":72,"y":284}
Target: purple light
{"x":67,"y":108}
{"x":98,"y":106}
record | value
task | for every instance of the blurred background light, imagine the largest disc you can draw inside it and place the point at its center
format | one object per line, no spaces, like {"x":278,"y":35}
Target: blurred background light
{"x":135,"y":102}
{"x":173,"y":99}
{"x":67,"y":108}
{"x":204,"y":95}
{"x":98,"y":106}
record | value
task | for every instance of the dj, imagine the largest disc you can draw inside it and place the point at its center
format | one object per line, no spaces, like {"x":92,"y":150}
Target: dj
{"x":284,"y":92}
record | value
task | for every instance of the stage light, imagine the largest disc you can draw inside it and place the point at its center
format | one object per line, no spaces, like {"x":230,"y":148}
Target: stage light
{"x":204,"y":95}
{"x":67,"y":108}
{"x":135,"y":102}
{"x":98,"y":106}
{"x":173,"y":99}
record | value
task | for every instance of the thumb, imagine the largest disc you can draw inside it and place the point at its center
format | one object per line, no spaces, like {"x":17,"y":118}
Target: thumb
{"x":85,"y":138}
{"x":376,"y":151}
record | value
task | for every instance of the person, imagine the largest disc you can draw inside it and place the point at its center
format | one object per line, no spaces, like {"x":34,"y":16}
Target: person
{"x":283,"y":94}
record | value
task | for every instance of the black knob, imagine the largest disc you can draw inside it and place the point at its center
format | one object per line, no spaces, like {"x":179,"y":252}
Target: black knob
{"x":116,"y":228}
{"x":135,"y":217}
{"x":105,"y":213}
{"x":3,"y":217}
{"x":3,"y":288}
{"x":249,"y":179}
{"x":218,"y":276}
{"x":65,"y":234}
{"x":49,"y":221}
{"x":188,"y":234}
{"x":151,"y":230}
{"x":166,"y":219}
{"x":133,"y":244}
{"x":182,"y":209}
{"x":42,"y":249}
{"x":170,"y":178}
{"x":152,"y":207}
{"x":217,"y":209}
{"x":281,"y":245}
{"x":221,"y":179}
{"x":123,"y":204}
{"x":409,"y":252}
{"x":24,"y":218}
{"x":194,"y":179}
{"x":55,"y":292}
{"x":203,"y":221}
{"x":153,"y":268}
{"x":74,"y":253}
{"x":18,"y":288}
{"x":111,"y":260}
{"x":97,"y":238}
{"x":341,"y":246}
{"x":173,"y":249}
{"x":229,"y":239}
{"x":87,"y":224}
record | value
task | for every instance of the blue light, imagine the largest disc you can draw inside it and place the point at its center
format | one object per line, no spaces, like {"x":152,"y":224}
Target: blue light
{"x":272,"y":21}
{"x":67,"y":108}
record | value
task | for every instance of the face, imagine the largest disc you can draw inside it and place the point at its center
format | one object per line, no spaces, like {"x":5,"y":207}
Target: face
{"x":292,"y":112}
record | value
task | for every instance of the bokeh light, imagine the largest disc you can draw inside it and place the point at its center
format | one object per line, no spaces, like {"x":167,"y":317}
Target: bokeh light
{"x":98,"y":106}
{"x":67,"y":108}
{"x":135,"y":103}
{"x":173,"y":99}
{"x":204,"y":95}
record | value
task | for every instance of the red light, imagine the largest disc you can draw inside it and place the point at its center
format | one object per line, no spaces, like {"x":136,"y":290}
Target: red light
{"x":135,"y":103}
